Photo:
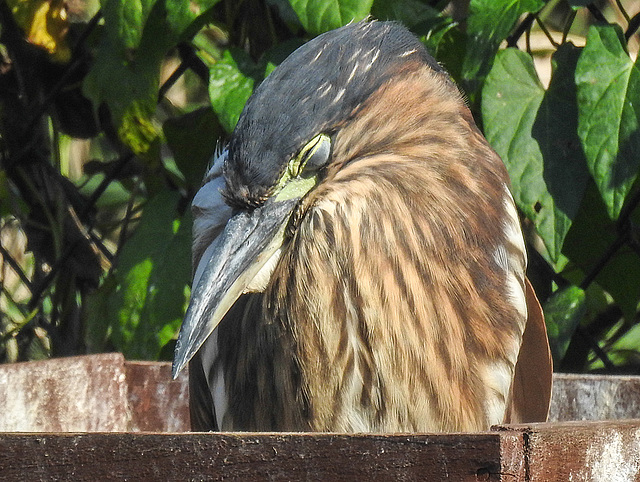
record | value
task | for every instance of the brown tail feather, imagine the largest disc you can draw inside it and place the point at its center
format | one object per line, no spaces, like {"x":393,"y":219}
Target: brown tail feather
{"x":531,"y":389}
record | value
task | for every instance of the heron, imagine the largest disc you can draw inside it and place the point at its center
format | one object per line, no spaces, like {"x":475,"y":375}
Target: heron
{"x":359,"y":260}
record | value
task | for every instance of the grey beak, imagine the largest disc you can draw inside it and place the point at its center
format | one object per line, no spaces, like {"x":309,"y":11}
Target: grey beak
{"x":248,"y":241}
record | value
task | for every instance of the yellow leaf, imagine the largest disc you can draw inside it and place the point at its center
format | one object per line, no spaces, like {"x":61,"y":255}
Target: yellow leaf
{"x":45,"y":24}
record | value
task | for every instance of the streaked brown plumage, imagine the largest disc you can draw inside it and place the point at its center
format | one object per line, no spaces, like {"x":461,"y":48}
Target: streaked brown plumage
{"x":397,"y":301}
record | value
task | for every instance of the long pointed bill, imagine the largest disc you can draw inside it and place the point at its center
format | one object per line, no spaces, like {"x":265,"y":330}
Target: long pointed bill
{"x":247,"y":243}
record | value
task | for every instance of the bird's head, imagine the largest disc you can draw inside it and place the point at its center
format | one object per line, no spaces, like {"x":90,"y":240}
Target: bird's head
{"x":286,"y":143}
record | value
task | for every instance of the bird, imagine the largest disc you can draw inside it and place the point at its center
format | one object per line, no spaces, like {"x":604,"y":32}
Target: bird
{"x":359,"y":259}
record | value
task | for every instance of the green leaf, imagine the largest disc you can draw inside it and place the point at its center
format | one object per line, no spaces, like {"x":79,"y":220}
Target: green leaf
{"x":563,"y":312}
{"x":318,"y":16}
{"x":565,"y":172}
{"x":193,"y":138}
{"x":114,"y":196}
{"x":99,"y":316}
{"x":590,"y":237}
{"x":534,"y":133}
{"x":408,"y":12}
{"x":167,"y":294}
{"x":489,"y":23}
{"x":126,"y":70}
{"x":579,"y":3}
{"x":625,"y":350}
{"x":145,"y":296}
{"x":608,"y":85}
{"x":231,"y":82}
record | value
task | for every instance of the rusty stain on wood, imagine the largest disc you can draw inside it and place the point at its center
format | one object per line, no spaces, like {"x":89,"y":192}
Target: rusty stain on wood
{"x":55,"y":396}
{"x":157,"y":403}
{"x":106,"y":393}
{"x":581,"y":451}
{"x":97,"y":393}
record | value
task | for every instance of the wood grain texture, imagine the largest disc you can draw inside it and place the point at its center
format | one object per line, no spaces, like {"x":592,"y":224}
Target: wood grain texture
{"x":67,"y":394}
{"x":247,"y":456}
{"x":157,"y":403}
{"x":97,"y":393}
{"x":594,"y":397}
{"x":584,"y":451}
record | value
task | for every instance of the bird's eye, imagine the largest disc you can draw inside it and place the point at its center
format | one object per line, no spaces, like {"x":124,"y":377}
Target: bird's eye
{"x":318,"y":153}
{"x":304,"y":166}
{"x":312,"y":156}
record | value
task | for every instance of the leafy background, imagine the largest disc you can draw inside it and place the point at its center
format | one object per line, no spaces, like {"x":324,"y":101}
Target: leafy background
{"x":111,"y":110}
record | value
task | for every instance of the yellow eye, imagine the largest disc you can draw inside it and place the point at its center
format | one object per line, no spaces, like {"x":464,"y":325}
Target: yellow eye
{"x":316,"y":153}
{"x":311,"y":157}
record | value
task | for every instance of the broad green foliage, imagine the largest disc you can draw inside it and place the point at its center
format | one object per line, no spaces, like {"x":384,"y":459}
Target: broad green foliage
{"x":144,"y":299}
{"x":438,"y":31}
{"x":233,"y":78}
{"x":318,"y":16}
{"x":534,"y":131}
{"x":489,"y":24}
{"x":192,"y":138}
{"x":571,"y":150}
{"x":563,"y":312}
{"x":608,"y":84}
{"x":411,"y":13}
{"x":593,"y":235}
{"x":126,"y":71}
{"x":231,"y":82}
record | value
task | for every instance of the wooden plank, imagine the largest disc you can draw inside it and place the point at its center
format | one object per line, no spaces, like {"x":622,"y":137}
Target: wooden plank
{"x":157,"y":403}
{"x":594,"y":397}
{"x":106,"y":393}
{"x":66,"y":394}
{"x":581,"y":451}
{"x":96,"y":393}
{"x":246,"y":456}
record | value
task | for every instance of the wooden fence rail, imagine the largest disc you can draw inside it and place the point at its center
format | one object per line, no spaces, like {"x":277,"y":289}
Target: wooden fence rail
{"x":101,"y":418}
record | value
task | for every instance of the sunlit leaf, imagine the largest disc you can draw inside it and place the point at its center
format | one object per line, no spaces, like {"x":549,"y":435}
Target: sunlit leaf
{"x":318,"y":16}
{"x":45,"y":24}
{"x":126,"y":71}
{"x":489,"y":23}
{"x":533,"y":130}
{"x":625,"y":350}
{"x":231,"y":82}
{"x":608,"y":83}
{"x":144,"y":298}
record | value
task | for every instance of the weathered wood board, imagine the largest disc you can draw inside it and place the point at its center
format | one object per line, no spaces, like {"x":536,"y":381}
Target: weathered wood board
{"x":213,"y":456}
{"x":581,"y":451}
{"x":97,"y":393}
{"x":89,"y":415}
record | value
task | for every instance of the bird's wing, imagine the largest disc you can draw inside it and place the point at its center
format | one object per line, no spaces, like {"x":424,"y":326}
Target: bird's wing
{"x":531,"y":389}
